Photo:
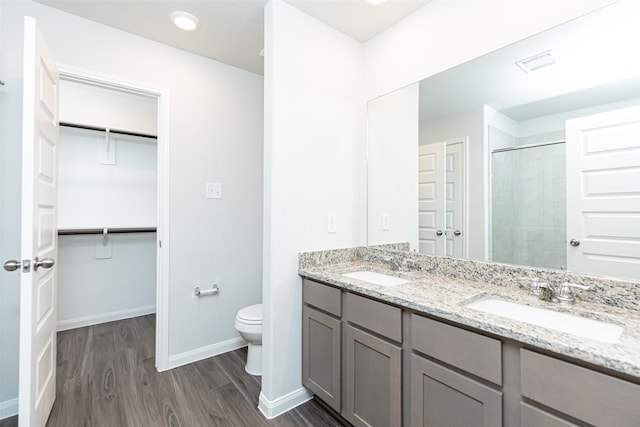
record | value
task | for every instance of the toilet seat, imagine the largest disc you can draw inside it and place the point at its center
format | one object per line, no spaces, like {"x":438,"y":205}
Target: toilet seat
{"x":251,"y":315}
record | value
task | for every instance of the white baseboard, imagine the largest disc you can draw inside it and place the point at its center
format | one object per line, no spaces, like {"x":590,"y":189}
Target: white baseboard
{"x":8,"y":408}
{"x":205,"y":352}
{"x":80,"y":322}
{"x":273,"y":408}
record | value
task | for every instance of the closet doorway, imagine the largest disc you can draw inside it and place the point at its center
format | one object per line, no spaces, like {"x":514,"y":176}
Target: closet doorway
{"x":112,"y":200}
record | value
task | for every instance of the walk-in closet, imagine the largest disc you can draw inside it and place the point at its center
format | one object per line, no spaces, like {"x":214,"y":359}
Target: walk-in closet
{"x":107,"y":198}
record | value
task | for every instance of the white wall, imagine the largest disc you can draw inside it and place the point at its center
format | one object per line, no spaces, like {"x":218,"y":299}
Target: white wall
{"x":392,"y":164}
{"x":216,"y":134}
{"x":95,"y":290}
{"x":555,"y":122}
{"x":96,"y":195}
{"x":544,"y":124}
{"x":314,"y":133}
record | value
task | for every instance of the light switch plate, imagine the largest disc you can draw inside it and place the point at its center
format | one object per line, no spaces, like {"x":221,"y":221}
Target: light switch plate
{"x":386,"y":222}
{"x":213,"y":190}
{"x":332,"y":223}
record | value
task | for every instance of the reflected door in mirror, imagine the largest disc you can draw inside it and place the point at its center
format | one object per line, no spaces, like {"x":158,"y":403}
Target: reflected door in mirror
{"x":455,"y":190}
{"x":603,"y":193}
{"x":441,"y":198}
{"x":431,"y":202}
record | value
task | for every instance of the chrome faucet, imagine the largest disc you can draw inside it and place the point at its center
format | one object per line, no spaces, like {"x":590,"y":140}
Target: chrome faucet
{"x":546,"y":292}
{"x":534,"y":288}
{"x":566,"y":294}
{"x":393,"y":263}
{"x":397,"y":264}
{"x":405,"y":264}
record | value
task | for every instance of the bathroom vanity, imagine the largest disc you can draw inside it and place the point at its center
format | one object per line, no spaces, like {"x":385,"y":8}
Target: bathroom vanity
{"x":424,"y":353}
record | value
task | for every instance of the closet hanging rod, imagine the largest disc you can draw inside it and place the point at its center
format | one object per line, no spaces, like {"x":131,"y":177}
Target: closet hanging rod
{"x":101,"y":129}
{"x":70,"y":231}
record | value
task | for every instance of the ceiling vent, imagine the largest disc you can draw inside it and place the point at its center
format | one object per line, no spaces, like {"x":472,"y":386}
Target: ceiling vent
{"x":536,"y":62}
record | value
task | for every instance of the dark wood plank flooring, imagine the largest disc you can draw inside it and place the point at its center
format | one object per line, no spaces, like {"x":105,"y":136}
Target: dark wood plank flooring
{"x":107,"y":377}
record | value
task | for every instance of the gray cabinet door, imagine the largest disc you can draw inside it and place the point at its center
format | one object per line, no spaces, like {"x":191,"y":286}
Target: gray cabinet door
{"x":321,"y":338}
{"x":373,"y":372}
{"x":444,"y":398}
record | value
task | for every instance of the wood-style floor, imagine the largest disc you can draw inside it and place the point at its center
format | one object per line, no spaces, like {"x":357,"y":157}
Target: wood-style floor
{"x":107,"y":377}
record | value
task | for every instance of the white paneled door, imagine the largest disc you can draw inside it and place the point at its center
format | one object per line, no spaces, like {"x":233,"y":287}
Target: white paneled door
{"x":454,"y":197}
{"x":603,"y":193}
{"x":441,"y":198}
{"x":39,"y":231}
{"x":431,"y":201}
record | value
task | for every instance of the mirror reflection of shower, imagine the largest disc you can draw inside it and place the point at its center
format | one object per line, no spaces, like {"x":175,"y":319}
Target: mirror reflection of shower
{"x":528,"y":203}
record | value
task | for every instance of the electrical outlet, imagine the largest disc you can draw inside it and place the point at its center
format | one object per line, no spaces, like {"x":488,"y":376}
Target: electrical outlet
{"x":332,"y":223}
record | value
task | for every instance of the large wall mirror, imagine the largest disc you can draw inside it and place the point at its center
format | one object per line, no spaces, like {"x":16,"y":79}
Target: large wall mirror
{"x":528,"y":155}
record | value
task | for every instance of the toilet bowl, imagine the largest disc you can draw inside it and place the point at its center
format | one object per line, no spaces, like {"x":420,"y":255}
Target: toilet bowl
{"x":249,"y":326}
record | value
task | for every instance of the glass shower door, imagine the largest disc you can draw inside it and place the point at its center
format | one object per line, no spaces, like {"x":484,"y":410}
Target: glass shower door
{"x":528,"y":206}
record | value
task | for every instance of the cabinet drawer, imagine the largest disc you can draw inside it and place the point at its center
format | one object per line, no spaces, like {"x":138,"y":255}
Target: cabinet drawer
{"x":324,"y":297}
{"x":584,"y":394}
{"x":471,"y":352}
{"x":534,"y":417}
{"x":375,"y":316}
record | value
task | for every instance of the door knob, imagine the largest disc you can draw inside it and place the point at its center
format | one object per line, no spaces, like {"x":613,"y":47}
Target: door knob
{"x":44,"y":263}
{"x":457,"y":233}
{"x":12,"y":265}
{"x":574,"y":242}
{"x":439,"y":233}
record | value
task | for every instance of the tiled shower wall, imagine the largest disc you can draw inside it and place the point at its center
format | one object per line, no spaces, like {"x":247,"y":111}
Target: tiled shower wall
{"x":528,"y":208}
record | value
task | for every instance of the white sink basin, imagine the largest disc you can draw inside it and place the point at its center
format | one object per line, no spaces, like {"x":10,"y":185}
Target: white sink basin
{"x":376,"y":278}
{"x":563,"y":322}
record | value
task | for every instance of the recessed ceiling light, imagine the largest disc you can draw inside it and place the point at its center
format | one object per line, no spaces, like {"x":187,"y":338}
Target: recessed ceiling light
{"x":184,"y":20}
{"x":376,"y":2}
{"x":536,"y":62}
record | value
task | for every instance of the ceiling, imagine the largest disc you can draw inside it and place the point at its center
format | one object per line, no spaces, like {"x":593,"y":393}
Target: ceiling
{"x":232,"y":31}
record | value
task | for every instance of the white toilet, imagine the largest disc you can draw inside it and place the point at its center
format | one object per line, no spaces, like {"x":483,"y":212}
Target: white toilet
{"x":249,"y":326}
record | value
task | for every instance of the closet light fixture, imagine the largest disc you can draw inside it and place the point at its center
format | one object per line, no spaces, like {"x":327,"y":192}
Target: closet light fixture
{"x":536,"y":62}
{"x":184,"y":20}
{"x":375,"y":2}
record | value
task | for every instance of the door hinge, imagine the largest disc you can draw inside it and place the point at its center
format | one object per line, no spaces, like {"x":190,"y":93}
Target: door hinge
{"x":160,"y":244}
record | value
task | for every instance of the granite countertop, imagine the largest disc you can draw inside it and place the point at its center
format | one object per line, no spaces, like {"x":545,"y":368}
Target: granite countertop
{"x":446,"y":297}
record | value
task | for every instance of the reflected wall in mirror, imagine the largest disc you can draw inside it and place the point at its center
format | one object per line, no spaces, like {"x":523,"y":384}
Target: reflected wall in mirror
{"x":528,"y":155}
